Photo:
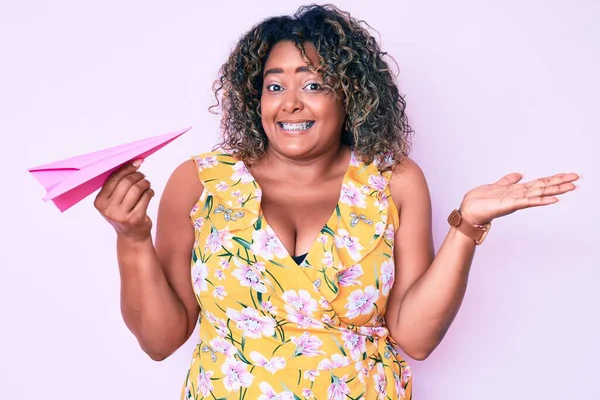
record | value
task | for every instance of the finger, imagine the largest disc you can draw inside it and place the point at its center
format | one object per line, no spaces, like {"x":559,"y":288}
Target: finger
{"x":552,"y":180}
{"x":550,"y":190}
{"x":114,"y":178}
{"x":124,"y":185}
{"x":134,"y":194}
{"x":141,"y":206}
{"x":526,"y":202}
{"x":509,"y":179}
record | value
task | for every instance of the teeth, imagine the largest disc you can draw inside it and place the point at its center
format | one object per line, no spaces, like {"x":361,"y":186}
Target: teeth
{"x":296,"y":127}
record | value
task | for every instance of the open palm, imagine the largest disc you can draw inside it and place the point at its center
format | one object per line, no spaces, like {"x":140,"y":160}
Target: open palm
{"x":487,"y":202}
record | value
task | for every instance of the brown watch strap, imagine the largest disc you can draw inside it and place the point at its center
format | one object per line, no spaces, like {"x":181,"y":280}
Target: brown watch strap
{"x":477,"y":233}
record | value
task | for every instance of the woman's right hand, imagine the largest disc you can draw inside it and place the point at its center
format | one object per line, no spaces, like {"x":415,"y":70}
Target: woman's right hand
{"x":123,"y":202}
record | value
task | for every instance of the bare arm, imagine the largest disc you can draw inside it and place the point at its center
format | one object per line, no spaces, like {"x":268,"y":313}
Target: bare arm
{"x":157,"y":301}
{"x":428,"y":291}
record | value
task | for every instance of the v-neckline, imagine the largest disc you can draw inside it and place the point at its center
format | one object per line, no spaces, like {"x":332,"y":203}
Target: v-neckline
{"x":334,"y":213}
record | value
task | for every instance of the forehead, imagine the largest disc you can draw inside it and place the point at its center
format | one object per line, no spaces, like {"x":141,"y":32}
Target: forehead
{"x":286,"y":55}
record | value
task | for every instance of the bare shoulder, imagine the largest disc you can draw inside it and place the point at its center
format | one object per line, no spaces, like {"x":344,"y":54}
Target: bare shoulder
{"x":181,"y":193}
{"x":183,"y":187}
{"x":408,"y":184}
{"x":186,"y":174}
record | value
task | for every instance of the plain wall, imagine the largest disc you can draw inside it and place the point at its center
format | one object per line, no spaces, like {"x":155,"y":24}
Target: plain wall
{"x":492,"y":87}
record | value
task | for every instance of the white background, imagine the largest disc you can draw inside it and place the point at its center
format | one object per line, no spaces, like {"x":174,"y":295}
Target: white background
{"x":492,"y":87}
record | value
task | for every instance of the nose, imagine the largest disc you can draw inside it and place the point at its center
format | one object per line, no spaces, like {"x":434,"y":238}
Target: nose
{"x":292,"y":103}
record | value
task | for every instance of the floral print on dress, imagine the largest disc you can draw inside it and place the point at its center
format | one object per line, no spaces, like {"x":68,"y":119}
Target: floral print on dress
{"x":273,"y":329}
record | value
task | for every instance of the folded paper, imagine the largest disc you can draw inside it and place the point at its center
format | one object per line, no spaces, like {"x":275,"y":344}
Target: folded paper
{"x":69,"y":181}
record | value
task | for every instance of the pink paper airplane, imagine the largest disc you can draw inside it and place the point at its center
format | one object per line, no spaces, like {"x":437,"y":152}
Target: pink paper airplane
{"x":69,"y":181}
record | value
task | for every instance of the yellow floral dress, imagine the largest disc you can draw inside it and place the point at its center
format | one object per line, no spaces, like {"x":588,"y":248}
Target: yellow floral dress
{"x":272,"y":329}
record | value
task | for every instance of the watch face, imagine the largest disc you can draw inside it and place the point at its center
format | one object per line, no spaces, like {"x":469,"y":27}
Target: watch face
{"x":454,"y":218}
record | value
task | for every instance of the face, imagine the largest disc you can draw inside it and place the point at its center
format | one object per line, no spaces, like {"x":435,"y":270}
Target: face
{"x":299,"y":116}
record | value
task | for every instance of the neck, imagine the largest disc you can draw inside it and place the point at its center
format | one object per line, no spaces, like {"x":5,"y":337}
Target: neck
{"x":306,"y":169}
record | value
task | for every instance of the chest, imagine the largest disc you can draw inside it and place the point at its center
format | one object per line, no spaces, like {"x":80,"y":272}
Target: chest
{"x":297,"y":213}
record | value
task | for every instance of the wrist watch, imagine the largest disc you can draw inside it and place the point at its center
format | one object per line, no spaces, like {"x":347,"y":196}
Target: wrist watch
{"x":476,"y":232}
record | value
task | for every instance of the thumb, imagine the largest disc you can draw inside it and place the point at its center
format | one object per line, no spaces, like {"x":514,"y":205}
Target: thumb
{"x":509,"y":179}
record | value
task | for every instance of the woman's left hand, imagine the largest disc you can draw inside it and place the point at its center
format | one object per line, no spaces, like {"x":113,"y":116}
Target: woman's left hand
{"x":487,"y":202}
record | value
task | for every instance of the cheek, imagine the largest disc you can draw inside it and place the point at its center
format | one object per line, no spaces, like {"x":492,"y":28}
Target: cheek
{"x":268,"y":112}
{"x":268,"y":104}
{"x":330,"y":111}
{"x":338,"y":109}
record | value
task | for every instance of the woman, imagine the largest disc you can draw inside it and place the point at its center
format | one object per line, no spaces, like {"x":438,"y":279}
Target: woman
{"x":312,"y":260}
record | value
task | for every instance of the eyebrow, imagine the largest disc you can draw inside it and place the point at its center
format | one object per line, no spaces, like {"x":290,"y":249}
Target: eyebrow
{"x":280,"y":70}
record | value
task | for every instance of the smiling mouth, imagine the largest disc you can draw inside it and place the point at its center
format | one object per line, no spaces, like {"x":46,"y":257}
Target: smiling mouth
{"x":300,"y":126}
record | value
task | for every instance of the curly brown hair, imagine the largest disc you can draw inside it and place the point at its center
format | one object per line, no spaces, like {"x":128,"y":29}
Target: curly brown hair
{"x":351,"y":63}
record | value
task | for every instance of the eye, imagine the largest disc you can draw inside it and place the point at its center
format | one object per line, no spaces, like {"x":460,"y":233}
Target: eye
{"x":315,"y":87}
{"x":274,"y":87}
